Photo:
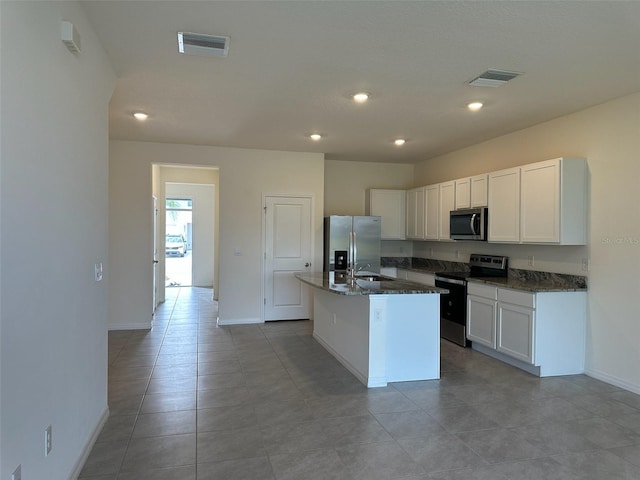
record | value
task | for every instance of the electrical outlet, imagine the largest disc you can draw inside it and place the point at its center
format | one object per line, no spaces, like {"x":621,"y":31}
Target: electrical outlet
{"x":47,"y":441}
{"x":530,"y":261}
{"x":97,"y":269}
{"x":431,"y":252}
{"x":17,"y":473}
{"x":585,"y":264}
{"x":457,"y":254}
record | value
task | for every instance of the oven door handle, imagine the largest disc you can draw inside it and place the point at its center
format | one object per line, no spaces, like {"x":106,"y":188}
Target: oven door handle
{"x":451,"y":280}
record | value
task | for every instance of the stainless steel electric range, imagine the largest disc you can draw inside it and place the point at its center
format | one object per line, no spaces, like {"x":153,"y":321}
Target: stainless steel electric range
{"x":453,"y":306}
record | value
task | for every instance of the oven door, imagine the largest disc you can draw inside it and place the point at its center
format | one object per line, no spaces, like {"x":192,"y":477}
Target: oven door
{"x":453,"y":310}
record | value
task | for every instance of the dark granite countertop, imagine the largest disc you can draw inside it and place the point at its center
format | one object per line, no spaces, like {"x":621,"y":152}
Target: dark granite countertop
{"x":525,"y":280}
{"x":338,"y":283}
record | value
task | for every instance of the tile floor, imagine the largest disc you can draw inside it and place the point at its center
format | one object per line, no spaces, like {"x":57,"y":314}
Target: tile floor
{"x":193,"y":401}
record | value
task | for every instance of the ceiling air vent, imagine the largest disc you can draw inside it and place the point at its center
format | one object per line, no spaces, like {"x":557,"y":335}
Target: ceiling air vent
{"x":493,"y":78}
{"x":206,"y":45}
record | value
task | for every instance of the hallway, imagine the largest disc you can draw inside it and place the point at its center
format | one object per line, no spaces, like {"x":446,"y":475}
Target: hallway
{"x":193,"y":401}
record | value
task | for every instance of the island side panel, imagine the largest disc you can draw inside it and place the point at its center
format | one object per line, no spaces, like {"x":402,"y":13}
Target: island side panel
{"x":413,"y":337}
{"x":341,"y":325}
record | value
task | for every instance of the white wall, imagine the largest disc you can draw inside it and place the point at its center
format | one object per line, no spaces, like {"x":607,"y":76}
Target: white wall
{"x":53,"y":217}
{"x":607,"y":135}
{"x":245,"y":175}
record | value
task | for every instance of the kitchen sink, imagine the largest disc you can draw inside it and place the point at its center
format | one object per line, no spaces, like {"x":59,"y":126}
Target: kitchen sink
{"x":371,"y":278}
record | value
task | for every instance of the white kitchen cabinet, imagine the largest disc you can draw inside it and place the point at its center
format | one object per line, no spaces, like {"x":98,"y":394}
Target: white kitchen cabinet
{"x":515,"y":325}
{"x":432,"y":210}
{"x":416,"y":213}
{"x":423,"y":278}
{"x":542,"y":333}
{"x":504,"y":206}
{"x":553,"y":202}
{"x":390,"y":206}
{"x":479,"y":190}
{"x":447,"y":200}
{"x":463,"y":193}
{"x":401,"y":273}
{"x":481,"y":314}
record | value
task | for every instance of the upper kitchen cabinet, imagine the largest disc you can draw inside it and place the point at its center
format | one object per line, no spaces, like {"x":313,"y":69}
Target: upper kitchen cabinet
{"x":553,"y":196}
{"x":463,"y":193}
{"x":504,"y":206}
{"x":478,"y":190}
{"x":432,"y":211}
{"x":543,"y":202}
{"x":390,"y":206}
{"x":471,"y":192}
{"x":416,"y":215}
{"x":447,"y":200}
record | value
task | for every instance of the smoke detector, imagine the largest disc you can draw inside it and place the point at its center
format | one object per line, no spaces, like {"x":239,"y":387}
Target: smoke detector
{"x":493,"y":78}
{"x":201,"y":44}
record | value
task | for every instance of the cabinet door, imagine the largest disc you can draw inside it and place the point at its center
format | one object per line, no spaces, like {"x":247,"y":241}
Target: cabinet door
{"x":390,"y":206}
{"x":540,"y":202}
{"x":463,"y":193}
{"x":447,"y":203}
{"x":479,"y":191}
{"x":504,"y":206}
{"x":515,"y":331}
{"x":423,"y":278}
{"x":481,"y":320}
{"x":415,"y":213}
{"x":432,"y":208}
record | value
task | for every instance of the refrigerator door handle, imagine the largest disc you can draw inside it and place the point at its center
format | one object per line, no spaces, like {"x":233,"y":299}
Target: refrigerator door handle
{"x":355,"y":251}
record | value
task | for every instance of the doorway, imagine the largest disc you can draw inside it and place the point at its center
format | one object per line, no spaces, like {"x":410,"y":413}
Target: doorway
{"x":179,"y":242}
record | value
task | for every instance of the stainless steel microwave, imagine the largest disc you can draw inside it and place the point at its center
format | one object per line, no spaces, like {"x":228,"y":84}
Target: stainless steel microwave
{"x":469,"y":224}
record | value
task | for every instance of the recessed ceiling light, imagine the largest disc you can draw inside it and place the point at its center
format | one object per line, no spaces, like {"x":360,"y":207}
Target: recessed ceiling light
{"x":140,"y":116}
{"x":361,"y":97}
{"x":315,"y":137}
{"x":399,"y":142}
{"x":474,"y":106}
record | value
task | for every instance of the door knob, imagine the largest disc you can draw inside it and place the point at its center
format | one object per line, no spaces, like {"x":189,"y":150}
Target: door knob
{"x":155,"y":261}
{"x":307,"y":264}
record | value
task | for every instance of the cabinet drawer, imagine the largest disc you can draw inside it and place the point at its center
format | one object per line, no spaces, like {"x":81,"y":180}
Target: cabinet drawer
{"x":517,"y":297}
{"x":482,"y":290}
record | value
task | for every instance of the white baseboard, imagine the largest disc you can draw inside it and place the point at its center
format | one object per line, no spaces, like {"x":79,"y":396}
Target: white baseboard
{"x":605,"y":377}
{"x":89,"y":446}
{"x":239,"y":321}
{"x":130,"y":326}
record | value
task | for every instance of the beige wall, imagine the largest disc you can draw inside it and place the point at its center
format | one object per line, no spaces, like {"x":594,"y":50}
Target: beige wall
{"x":245,"y":176}
{"x":607,"y":135}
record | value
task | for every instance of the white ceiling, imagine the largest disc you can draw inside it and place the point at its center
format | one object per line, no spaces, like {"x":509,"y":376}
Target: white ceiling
{"x":293,"y":65}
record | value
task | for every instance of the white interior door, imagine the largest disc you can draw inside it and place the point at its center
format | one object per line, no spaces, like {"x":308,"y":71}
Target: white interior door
{"x":288,"y":250}
{"x":155,"y":254}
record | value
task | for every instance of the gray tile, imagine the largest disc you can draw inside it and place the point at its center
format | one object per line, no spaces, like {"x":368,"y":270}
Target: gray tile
{"x":220,"y":380}
{"x":354,"y":430}
{"x":104,"y":459}
{"x":128,"y":405}
{"x":283,"y":411}
{"x":230,"y":445}
{"x":378,"y":461}
{"x":168,"y":402}
{"x":555,"y":438}
{"x":536,"y":469}
{"x":604,"y":433}
{"x":439,"y":452}
{"x":117,"y":428}
{"x":223,"y":397}
{"x":632,"y":421}
{"x":463,"y":419}
{"x":226,"y":418}
{"x":599,"y":465}
{"x":388,"y":402}
{"x":500,"y":445}
{"x":160,"y":452}
{"x":212,"y":367}
{"x":314,"y":465}
{"x":186,"y":472}
{"x":630,"y":454}
{"x":244,"y":469}
{"x":433,"y":399}
{"x":165,"y":423}
{"x":409,"y":424}
{"x":294,"y":437}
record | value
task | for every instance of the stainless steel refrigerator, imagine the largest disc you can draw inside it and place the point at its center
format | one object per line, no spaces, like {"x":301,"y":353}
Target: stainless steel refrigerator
{"x":359,"y":235}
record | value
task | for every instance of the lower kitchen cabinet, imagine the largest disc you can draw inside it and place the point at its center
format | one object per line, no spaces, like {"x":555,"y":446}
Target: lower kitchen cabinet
{"x":542,"y":333}
{"x":481,"y":314}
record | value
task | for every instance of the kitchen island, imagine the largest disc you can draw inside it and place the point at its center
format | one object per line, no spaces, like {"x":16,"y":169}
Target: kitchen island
{"x":381,"y":329}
